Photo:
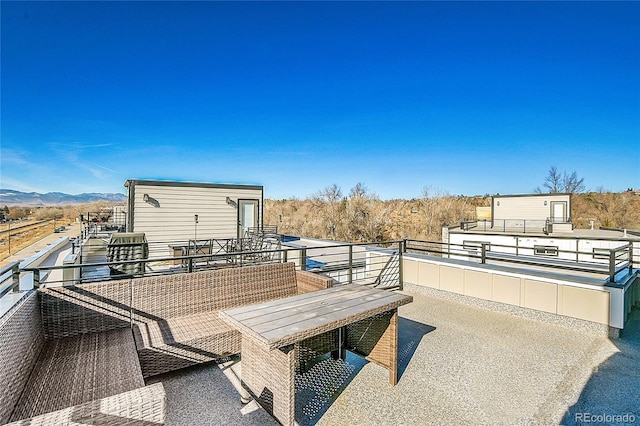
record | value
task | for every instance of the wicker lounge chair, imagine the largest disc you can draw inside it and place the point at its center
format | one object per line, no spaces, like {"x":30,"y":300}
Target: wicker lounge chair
{"x":69,"y":358}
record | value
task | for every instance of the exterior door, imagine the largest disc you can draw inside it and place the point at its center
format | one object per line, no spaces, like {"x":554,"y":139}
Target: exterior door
{"x":248,"y":215}
{"x":558,"y":212}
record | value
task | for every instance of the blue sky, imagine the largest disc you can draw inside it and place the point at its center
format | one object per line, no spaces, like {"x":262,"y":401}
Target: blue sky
{"x":468,"y":98}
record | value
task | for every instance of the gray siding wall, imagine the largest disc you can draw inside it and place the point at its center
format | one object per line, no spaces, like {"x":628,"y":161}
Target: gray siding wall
{"x":168,"y":215}
{"x":527,"y":207}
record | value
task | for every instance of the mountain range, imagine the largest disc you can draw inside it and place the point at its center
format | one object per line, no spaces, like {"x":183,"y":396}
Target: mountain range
{"x":10,"y":197}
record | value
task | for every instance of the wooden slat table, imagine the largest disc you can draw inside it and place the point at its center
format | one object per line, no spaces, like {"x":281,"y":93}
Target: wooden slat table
{"x":274,"y":332}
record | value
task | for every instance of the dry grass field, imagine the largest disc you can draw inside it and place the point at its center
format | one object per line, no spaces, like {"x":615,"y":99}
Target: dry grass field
{"x":19,"y":235}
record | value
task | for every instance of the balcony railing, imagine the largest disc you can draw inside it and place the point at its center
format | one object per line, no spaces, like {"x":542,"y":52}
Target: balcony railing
{"x":377,"y":264}
{"x":513,"y":225}
{"x":374,"y":264}
{"x":613,"y":262}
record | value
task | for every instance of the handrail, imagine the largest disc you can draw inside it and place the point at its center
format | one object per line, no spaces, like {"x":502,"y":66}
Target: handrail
{"x":616,"y":267}
{"x":14,"y":269}
{"x":619,"y":257}
{"x":511,"y":224}
{"x":191,"y":260}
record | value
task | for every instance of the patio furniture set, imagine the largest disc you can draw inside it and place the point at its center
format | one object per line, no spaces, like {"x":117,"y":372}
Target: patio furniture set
{"x":80,"y":354}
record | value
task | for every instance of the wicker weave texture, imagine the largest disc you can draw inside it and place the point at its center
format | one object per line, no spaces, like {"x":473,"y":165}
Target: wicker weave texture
{"x":80,"y":369}
{"x":142,"y":406}
{"x":176,"y":322}
{"x":182,"y":342}
{"x":87,"y":308}
{"x":162,"y":297}
{"x":270,"y":377}
{"x":280,"y":337}
{"x":255,"y":284}
{"x":376,"y":339}
{"x":21,"y":341}
{"x":308,"y":281}
{"x":314,"y":347}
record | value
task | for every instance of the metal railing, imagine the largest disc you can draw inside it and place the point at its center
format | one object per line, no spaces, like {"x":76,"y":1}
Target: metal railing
{"x":377,"y":264}
{"x":618,"y":259}
{"x":511,"y":225}
{"x":10,"y":278}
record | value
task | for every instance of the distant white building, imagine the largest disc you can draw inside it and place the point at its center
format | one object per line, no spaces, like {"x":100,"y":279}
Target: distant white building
{"x":536,"y":225}
{"x":546,"y":212}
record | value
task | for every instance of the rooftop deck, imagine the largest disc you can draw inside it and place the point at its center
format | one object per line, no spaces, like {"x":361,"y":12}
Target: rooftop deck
{"x":457,"y":365}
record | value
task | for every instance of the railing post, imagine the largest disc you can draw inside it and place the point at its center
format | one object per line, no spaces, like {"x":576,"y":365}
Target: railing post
{"x":15,"y":277}
{"x":36,"y":278}
{"x":350,"y":263}
{"x":630,"y":256}
{"x":285,"y":256}
{"x":400,"y":278}
{"x":612,"y":266}
{"x":483,"y":255}
{"x":303,"y":259}
{"x":190,"y":265}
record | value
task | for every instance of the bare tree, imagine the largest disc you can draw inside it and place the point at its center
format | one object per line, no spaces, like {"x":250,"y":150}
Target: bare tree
{"x":572,"y":183}
{"x":443,"y":209}
{"x":617,"y":210}
{"x":366,"y":216}
{"x":556,"y":182}
{"x":328,"y":203}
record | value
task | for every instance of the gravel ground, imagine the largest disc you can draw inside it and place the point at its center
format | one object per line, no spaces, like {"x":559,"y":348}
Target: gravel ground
{"x":458,"y":364}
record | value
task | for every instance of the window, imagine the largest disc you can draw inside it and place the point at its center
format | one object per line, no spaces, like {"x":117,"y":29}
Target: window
{"x":601,"y":253}
{"x":545,"y":250}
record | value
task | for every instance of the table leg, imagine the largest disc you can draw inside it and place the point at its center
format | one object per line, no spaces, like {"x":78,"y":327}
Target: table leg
{"x":393,"y":354}
{"x":269,"y":375}
{"x":376,"y":339}
{"x":341,"y":351}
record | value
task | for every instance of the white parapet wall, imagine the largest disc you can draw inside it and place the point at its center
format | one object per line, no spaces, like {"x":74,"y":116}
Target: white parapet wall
{"x":587,"y":299}
{"x":49,"y":256}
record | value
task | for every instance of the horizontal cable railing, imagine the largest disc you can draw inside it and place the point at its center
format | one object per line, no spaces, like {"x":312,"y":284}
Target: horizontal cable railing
{"x":375,"y":264}
{"x":614,"y":262}
{"x":512,"y":225}
{"x":10,"y":278}
{"x":620,"y":258}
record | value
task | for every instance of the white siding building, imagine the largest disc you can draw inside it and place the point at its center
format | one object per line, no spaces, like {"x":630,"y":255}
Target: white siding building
{"x":551,"y":212}
{"x":536,"y":225}
{"x":176,"y":212}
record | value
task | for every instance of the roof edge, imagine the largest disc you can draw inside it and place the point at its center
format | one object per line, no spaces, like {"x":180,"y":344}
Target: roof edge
{"x":133,"y":182}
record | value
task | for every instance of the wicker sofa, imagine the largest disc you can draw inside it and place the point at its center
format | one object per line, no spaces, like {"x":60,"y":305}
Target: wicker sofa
{"x":175,"y":317}
{"x":69,"y":354}
{"x":67,"y":358}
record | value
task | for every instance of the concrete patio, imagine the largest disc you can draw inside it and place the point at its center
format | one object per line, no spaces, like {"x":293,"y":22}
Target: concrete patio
{"x":458,"y":364}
